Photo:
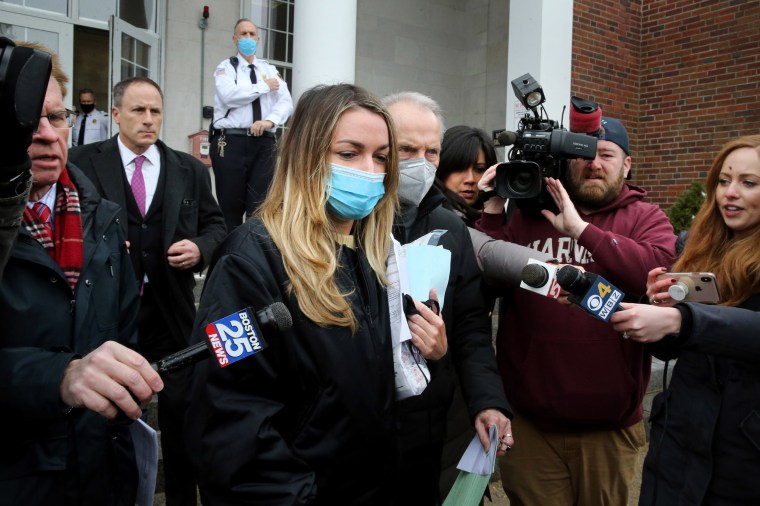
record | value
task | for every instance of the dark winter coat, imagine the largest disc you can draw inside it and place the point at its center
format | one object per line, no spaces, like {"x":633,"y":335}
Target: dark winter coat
{"x":470,"y":361}
{"x":311,"y":418}
{"x":188,"y":210}
{"x":705,"y":437}
{"x":13,"y":197}
{"x":48,"y":456}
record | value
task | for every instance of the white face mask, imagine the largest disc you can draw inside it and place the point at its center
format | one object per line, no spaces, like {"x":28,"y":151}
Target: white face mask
{"x":416,"y":176}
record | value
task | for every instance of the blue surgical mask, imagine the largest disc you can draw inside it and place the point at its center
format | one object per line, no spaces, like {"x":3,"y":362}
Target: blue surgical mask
{"x":353,"y":194}
{"x":246,"y":46}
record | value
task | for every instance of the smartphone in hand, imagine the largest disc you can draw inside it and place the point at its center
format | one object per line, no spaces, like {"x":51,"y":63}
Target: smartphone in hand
{"x":410,"y":309}
{"x":693,"y":287}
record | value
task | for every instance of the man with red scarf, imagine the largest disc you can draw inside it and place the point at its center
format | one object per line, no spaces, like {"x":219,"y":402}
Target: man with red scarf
{"x":68,"y":306}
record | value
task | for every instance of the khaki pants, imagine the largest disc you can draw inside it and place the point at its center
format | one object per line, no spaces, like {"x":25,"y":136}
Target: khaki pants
{"x":594,"y":468}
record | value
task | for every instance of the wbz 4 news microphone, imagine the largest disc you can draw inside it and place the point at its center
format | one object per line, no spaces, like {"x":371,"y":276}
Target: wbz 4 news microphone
{"x":230,"y":339}
{"x":591,"y":292}
{"x":541,"y":278}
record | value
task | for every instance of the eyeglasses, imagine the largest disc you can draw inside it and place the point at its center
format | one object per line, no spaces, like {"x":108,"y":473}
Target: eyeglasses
{"x":60,"y":119}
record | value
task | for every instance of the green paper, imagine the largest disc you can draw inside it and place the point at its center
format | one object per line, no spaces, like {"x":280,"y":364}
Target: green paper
{"x":468,"y":490}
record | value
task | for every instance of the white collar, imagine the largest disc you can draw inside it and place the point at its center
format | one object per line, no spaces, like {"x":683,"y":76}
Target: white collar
{"x":128,"y":156}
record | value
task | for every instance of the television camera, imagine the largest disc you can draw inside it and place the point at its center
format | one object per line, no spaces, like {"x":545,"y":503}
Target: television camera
{"x":540,"y":148}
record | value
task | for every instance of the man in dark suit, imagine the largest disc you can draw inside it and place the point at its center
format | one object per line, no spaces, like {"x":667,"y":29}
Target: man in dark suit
{"x":173,"y":225}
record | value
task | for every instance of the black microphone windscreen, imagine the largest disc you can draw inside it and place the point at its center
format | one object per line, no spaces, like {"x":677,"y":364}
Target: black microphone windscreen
{"x":572,"y":280}
{"x":506,"y":138}
{"x":275,"y":315}
{"x":534,"y":275}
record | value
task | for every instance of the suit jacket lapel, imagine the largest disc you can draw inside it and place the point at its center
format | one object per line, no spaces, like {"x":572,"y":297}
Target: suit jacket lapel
{"x":177,"y":175}
{"x":110,"y":174}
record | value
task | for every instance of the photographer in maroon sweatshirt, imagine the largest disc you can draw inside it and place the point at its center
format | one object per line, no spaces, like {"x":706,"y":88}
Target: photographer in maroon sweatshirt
{"x":575,"y":384}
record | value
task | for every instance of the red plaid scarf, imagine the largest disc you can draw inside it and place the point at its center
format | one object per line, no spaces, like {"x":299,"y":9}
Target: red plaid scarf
{"x":66,"y":244}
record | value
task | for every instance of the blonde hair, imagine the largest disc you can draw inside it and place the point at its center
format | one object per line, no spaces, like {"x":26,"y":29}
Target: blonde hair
{"x":711,"y":245}
{"x":295,"y":209}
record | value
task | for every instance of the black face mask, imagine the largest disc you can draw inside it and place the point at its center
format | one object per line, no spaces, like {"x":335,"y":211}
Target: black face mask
{"x":87,"y":108}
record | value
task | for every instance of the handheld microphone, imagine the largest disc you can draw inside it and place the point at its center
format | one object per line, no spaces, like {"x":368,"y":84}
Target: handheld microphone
{"x":541,"y":278}
{"x":591,"y":292}
{"x":231,"y":338}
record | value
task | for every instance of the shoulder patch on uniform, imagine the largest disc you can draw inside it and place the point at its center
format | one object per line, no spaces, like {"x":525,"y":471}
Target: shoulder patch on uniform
{"x":220,"y":72}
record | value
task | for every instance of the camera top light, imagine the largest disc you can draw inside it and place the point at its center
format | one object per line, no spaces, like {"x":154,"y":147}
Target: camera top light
{"x":534,"y":99}
{"x":528,"y":91}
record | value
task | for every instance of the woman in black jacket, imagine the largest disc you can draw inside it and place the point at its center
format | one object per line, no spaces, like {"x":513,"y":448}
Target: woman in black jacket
{"x":310,"y":419}
{"x":705,"y":437}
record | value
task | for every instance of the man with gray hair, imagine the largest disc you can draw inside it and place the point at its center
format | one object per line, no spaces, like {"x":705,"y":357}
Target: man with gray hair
{"x":419,"y":131}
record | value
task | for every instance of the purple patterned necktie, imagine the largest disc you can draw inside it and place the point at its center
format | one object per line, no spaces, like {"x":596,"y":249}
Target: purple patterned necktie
{"x":138,"y":185}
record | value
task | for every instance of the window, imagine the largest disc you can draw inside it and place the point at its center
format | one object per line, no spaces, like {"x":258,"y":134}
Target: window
{"x":135,"y":57}
{"x":274,"y":20}
{"x":138,"y":13}
{"x":58,"y":6}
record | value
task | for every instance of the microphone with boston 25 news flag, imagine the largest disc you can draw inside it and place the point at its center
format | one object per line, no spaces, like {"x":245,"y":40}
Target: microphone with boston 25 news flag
{"x":232,"y":338}
{"x":591,"y":292}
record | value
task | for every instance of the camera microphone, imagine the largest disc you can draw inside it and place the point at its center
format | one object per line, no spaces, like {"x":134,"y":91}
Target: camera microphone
{"x":506,"y":138}
{"x":591,"y":292}
{"x":231,"y":338}
{"x":541,"y":278}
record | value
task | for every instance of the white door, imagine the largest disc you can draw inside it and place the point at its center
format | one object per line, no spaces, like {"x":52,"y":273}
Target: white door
{"x":56,"y":35}
{"x":134,"y":52}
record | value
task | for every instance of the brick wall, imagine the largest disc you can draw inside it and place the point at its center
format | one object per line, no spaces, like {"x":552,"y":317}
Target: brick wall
{"x":683,"y":75}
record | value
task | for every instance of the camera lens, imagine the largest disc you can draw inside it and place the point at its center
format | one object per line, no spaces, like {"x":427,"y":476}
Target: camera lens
{"x":518,"y":179}
{"x":520,"y":182}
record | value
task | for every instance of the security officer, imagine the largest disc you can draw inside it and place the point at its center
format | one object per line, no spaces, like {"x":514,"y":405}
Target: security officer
{"x":251,"y":100}
{"x":95,"y":122}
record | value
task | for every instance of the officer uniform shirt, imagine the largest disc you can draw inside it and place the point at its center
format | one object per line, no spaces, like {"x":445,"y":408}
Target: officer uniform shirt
{"x":96,"y":128}
{"x":276,"y":106}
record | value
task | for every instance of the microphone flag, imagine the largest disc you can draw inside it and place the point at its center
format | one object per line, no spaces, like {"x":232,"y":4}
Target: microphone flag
{"x":235,"y":337}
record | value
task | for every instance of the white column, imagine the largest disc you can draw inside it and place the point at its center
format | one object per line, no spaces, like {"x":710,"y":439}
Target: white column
{"x":540,"y":44}
{"x":324,"y":43}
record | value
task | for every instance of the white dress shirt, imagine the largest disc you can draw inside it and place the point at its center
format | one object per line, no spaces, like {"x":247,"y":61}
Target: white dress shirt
{"x":49,"y":200}
{"x":151,"y":168}
{"x":96,"y":128}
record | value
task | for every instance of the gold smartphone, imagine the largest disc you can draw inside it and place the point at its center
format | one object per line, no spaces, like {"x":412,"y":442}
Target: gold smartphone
{"x":693,"y":287}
